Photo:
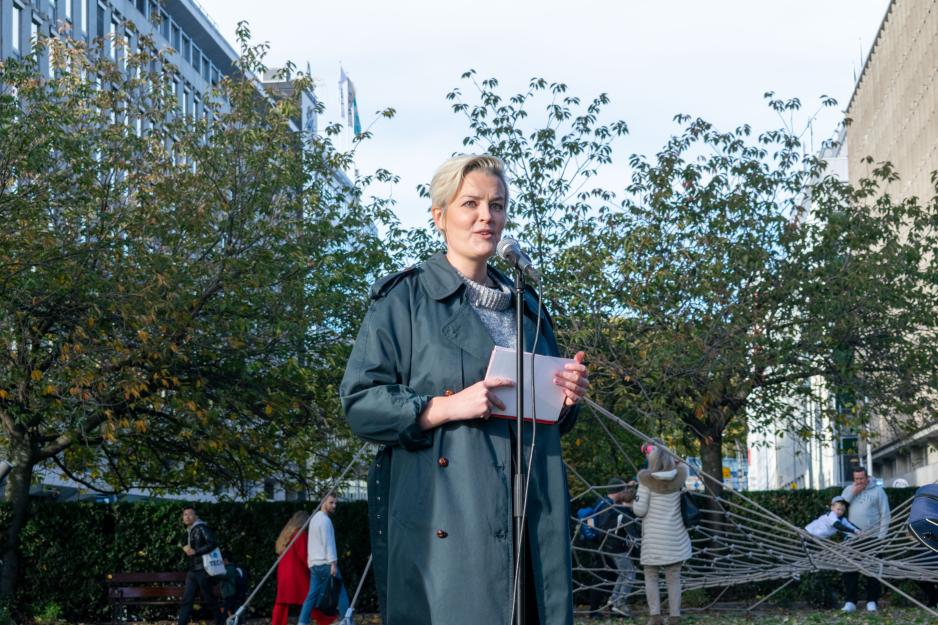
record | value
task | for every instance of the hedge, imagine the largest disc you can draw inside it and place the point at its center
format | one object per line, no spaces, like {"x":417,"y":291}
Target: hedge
{"x":69,"y":548}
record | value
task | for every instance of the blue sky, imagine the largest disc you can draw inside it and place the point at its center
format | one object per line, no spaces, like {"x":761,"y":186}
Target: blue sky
{"x":655,"y":58}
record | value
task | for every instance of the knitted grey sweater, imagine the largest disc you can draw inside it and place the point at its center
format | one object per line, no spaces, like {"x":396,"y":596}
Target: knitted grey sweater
{"x":493,"y":305}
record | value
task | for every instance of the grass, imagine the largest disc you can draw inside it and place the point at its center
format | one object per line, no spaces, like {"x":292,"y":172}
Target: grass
{"x":885,"y":616}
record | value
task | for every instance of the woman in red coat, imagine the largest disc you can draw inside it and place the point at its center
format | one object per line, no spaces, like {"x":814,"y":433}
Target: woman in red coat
{"x":293,"y":572}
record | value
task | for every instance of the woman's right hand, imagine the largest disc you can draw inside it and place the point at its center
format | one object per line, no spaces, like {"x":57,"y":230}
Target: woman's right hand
{"x":474,"y":402}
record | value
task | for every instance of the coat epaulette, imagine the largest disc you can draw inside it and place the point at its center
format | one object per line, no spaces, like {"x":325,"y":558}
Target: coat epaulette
{"x":380,"y":288}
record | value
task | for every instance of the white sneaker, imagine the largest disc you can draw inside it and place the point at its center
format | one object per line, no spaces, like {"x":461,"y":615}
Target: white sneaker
{"x":870,"y":606}
{"x":850,"y":606}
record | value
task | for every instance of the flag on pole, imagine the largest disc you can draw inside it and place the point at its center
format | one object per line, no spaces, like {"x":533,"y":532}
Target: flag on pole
{"x":353,"y":110}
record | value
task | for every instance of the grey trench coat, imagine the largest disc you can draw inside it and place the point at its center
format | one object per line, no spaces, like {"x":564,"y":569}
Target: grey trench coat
{"x":440,"y":500}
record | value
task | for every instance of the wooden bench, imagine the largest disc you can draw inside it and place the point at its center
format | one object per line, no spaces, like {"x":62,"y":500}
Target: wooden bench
{"x":146,"y":589}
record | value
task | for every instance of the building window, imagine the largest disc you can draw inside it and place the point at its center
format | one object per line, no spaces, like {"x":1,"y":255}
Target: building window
{"x":206,"y":69}
{"x":186,"y":48}
{"x":196,"y":105}
{"x":164,"y":25}
{"x":196,"y":56}
{"x":142,"y":7}
{"x":34,"y":32}
{"x":85,"y":13}
{"x":187,"y":103}
{"x":53,"y":13}
{"x":68,"y":10}
{"x":216,"y":77}
{"x":100,"y":22}
{"x":174,"y":40}
{"x":17,"y":36}
{"x":113,"y":39}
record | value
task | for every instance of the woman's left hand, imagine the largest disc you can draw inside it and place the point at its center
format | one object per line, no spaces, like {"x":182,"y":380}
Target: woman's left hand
{"x":574,"y":380}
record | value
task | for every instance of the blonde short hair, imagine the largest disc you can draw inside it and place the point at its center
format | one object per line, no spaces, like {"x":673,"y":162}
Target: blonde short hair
{"x":660,"y":460}
{"x":449,"y":176}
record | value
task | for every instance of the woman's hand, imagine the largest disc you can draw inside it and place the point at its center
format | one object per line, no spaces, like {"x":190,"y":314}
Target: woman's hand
{"x":574,"y":380}
{"x":474,"y":402}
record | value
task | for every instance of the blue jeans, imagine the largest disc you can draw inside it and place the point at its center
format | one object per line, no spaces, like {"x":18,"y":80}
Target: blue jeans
{"x":318,"y":576}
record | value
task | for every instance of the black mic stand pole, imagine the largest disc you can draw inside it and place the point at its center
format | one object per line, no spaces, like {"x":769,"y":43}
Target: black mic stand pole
{"x":518,"y":483}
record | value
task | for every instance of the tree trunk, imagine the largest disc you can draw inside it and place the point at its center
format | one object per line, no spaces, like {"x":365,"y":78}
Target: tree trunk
{"x":17,"y":493}
{"x":711,"y":456}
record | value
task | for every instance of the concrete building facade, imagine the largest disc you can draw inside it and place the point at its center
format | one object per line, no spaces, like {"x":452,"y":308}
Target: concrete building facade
{"x":894,"y":117}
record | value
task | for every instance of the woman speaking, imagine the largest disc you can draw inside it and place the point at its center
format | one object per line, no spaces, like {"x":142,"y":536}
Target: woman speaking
{"x":439,"y":492}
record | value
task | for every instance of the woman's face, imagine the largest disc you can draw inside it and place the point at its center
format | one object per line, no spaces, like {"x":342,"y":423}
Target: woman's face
{"x":472,"y":223}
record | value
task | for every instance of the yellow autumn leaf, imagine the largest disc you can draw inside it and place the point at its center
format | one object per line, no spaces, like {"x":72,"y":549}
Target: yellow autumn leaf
{"x":3,"y":394}
{"x":268,"y":410}
{"x":36,"y":375}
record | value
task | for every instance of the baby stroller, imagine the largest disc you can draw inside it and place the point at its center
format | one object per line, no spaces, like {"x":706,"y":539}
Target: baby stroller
{"x":923,"y":517}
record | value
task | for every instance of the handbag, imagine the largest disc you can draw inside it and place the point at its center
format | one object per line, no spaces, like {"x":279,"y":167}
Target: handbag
{"x":690,"y":513}
{"x":213,"y":563}
{"x":328,"y":600}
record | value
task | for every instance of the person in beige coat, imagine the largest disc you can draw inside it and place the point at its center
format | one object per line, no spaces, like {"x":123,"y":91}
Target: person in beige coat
{"x":665,"y":543}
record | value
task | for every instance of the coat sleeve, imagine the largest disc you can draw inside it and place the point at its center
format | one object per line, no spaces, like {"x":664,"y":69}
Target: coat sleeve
{"x":642,"y":499}
{"x":885,"y":515}
{"x":379,"y":405}
{"x":848,"y":493}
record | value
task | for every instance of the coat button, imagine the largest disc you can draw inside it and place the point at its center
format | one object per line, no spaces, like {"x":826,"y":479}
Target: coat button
{"x":443,"y":462}
{"x":448,"y":392}
{"x":441,"y":534}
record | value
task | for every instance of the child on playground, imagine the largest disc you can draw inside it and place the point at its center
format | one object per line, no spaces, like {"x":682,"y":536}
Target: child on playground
{"x":827,"y":525}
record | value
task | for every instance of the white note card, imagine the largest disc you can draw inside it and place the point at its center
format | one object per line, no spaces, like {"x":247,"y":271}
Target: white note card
{"x":547,"y":397}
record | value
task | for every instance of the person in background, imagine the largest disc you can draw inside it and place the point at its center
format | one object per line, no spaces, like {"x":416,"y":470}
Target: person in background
{"x":233,"y":586}
{"x":292,"y":569}
{"x":200,"y":541}
{"x":323,"y":560}
{"x":869,"y":510}
{"x":827,"y":525}
{"x":665,"y":543}
{"x":623,"y":535}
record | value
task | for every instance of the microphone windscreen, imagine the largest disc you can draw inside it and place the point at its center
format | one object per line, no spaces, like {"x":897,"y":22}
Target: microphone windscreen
{"x":506,"y":245}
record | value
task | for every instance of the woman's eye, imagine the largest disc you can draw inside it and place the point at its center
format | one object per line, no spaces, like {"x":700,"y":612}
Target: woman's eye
{"x":497,"y":207}
{"x":470,"y":204}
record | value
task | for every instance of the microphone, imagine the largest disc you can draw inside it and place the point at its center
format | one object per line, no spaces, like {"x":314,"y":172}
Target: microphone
{"x":510,"y":250}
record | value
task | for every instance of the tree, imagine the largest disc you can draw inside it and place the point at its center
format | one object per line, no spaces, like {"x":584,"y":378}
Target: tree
{"x":733,"y":272}
{"x":177,"y":303}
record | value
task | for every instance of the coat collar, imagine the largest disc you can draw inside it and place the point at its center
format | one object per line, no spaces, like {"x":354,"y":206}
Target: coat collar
{"x":439,"y":277}
{"x":655,"y":485}
{"x":441,"y":280}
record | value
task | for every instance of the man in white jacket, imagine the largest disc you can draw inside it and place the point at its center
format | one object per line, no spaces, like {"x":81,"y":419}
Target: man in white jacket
{"x":322,"y":560}
{"x":869,"y":510}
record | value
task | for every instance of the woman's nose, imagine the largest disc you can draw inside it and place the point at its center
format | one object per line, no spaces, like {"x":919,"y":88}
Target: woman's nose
{"x":485,"y":212}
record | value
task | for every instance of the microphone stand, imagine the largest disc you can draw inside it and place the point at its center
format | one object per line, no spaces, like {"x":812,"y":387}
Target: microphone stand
{"x":518,"y":478}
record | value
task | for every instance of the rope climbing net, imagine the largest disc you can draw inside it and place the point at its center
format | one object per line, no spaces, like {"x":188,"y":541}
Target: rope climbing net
{"x":738,"y":541}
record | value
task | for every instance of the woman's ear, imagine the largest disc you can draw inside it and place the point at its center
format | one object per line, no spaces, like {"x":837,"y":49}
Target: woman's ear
{"x":439,"y":219}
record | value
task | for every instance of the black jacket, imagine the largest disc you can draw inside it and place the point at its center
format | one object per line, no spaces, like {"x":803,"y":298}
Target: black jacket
{"x":203,"y":541}
{"x":621,"y":530}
